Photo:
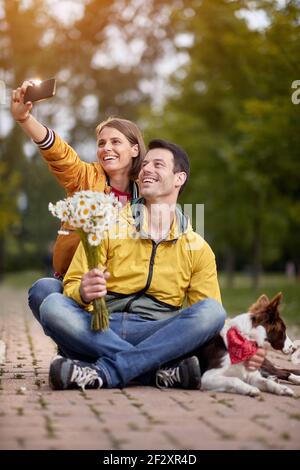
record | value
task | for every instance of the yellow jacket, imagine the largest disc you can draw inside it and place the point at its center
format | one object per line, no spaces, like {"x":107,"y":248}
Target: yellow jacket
{"x":149,"y":278}
{"x":73,"y":175}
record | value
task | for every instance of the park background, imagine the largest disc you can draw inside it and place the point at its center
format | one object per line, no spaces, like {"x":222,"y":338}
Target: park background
{"x":215,"y":76}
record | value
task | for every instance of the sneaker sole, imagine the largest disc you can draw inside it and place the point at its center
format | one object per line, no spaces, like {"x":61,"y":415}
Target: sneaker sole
{"x":193,"y":374}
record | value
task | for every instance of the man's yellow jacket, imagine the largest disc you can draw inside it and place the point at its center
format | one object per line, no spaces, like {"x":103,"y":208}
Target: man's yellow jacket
{"x":148,"y":277}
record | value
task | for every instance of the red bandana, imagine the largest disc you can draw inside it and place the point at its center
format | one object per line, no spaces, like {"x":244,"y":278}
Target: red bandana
{"x":239,"y":348}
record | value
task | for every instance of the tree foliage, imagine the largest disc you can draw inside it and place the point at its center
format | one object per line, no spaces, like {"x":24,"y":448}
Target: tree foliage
{"x":99,"y":59}
{"x":230,"y":107}
{"x":232,"y":110}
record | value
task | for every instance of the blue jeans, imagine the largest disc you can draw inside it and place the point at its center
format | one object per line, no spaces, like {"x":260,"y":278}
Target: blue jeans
{"x":40,"y":290}
{"x":132,"y":346}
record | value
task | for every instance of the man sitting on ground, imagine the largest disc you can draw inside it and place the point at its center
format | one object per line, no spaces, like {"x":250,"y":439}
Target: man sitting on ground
{"x":154,"y":260}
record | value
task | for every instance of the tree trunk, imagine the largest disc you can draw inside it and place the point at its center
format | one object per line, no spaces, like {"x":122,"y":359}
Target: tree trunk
{"x":257,"y":253}
{"x":2,"y":262}
{"x":229,"y":267}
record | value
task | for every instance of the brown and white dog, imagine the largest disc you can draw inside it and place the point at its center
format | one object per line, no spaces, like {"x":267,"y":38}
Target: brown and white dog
{"x":261,"y":323}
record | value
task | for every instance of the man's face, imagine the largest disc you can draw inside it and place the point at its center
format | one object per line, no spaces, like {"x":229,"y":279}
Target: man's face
{"x":157,"y":177}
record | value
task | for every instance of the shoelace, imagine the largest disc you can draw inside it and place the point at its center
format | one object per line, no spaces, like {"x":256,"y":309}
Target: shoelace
{"x":168,"y":377}
{"x":84,"y":376}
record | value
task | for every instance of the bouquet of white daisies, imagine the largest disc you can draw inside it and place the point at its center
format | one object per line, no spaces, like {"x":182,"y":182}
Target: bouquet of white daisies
{"x":91,"y":213}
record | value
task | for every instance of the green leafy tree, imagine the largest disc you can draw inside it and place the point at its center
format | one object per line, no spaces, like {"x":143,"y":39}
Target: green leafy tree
{"x":8,"y":210}
{"x":23,"y":54}
{"x":93,"y":83}
{"x":232,"y":110}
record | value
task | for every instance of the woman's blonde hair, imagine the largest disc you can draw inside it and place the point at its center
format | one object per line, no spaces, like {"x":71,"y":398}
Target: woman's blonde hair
{"x":132,"y":134}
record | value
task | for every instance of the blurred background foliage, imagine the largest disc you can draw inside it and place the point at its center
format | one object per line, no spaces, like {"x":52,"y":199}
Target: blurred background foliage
{"x":215,"y":76}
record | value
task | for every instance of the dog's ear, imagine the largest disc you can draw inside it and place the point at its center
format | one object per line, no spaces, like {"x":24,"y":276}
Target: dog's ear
{"x":261,"y":303}
{"x":274,"y":304}
{"x":263,"y":299}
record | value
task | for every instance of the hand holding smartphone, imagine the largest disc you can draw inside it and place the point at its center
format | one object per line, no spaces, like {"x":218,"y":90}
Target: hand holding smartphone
{"x":41,"y":91}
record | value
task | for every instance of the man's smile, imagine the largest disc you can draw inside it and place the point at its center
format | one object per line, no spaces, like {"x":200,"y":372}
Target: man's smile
{"x":149,"y":179}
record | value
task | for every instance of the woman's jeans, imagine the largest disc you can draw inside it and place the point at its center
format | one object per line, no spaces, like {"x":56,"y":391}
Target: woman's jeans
{"x":132,"y":346}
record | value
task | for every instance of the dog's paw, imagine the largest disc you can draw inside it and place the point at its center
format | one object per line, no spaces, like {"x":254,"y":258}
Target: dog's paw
{"x":295,"y":357}
{"x":294,"y":379}
{"x":284,"y":390}
{"x":254,"y":391}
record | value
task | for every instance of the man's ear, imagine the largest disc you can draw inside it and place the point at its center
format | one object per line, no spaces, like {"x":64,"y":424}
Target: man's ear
{"x":180,"y":178}
{"x":135,"y":150}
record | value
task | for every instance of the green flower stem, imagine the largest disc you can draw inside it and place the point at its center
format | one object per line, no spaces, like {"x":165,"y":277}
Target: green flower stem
{"x":100,"y":316}
{"x":100,"y":319}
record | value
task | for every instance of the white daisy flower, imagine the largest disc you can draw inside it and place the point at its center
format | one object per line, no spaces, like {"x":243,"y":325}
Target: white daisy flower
{"x":89,"y":211}
{"x":94,"y":238}
{"x":92,"y":214}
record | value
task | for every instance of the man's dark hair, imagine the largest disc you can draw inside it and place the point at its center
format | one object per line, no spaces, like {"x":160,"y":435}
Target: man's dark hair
{"x":181,"y":160}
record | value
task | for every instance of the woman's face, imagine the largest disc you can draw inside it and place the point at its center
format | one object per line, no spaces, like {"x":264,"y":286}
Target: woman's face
{"x":115,"y":153}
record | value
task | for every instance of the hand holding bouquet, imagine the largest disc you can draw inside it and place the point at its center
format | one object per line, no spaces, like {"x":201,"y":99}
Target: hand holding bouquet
{"x":91,"y":213}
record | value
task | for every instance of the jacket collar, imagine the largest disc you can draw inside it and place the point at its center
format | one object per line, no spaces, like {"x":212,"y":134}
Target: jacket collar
{"x":179,"y":225}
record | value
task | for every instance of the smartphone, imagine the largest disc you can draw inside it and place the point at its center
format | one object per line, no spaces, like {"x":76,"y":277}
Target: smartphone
{"x":41,"y":91}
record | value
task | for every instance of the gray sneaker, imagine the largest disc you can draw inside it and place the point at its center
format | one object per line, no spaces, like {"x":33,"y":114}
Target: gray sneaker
{"x":67,"y":374}
{"x":185,"y":375}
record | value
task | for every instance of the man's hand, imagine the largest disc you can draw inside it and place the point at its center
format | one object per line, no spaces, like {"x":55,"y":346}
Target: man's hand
{"x":255,"y":362}
{"x":19,"y":109}
{"x":93,"y":285}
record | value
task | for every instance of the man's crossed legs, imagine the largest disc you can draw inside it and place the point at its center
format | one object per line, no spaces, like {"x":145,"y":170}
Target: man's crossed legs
{"x":132,"y":347}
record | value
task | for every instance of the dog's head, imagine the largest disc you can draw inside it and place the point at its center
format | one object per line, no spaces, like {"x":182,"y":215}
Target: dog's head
{"x":266,"y":313}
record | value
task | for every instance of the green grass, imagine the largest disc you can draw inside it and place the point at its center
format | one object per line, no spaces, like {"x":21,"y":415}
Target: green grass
{"x":22,"y":279}
{"x":238,"y":298}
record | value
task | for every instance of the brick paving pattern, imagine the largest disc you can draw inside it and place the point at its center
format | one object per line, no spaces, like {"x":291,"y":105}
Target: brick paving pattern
{"x":34,"y":417}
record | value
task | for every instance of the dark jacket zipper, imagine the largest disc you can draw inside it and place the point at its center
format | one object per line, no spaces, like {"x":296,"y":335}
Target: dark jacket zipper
{"x":149,"y":279}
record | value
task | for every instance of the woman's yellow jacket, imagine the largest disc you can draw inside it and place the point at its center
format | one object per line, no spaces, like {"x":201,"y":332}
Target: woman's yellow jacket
{"x":73,"y":175}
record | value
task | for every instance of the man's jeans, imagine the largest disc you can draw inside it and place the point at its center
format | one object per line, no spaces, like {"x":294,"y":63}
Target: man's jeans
{"x":40,"y":290}
{"x":132,"y":346}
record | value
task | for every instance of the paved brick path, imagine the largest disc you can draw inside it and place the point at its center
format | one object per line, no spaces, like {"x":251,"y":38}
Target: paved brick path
{"x":34,"y":417}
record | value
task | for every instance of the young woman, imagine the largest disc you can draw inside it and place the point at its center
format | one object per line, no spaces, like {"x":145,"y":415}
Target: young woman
{"x":120,"y":151}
